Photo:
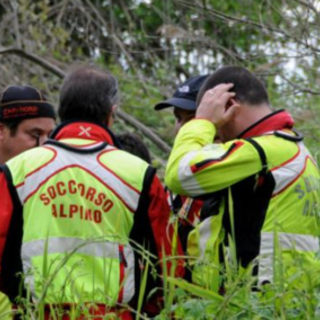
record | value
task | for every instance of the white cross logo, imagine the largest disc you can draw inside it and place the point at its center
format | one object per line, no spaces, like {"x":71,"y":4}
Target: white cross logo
{"x":85,"y":131}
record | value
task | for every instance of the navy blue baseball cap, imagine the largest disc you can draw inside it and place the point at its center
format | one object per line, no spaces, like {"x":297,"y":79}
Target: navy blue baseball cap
{"x":185,"y":96}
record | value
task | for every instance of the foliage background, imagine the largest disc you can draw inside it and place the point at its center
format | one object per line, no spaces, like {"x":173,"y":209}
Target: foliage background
{"x":153,"y":45}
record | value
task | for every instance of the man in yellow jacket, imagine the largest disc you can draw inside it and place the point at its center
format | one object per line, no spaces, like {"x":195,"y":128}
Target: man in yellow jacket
{"x":266,"y":179}
{"x":83,"y":220}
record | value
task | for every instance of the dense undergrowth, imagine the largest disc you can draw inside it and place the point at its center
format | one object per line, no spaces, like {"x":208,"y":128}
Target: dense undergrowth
{"x":290,"y":296}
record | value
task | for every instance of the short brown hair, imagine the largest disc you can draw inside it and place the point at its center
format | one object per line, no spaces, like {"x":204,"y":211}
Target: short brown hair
{"x":248,"y":88}
{"x":88,"y":93}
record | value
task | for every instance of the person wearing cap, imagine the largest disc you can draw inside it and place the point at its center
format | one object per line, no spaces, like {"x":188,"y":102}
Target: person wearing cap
{"x":267,"y":181}
{"x":187,"y":209}
{"x":26,"y":120}
{"x":94,"y":217}
{"x":183,"y":101}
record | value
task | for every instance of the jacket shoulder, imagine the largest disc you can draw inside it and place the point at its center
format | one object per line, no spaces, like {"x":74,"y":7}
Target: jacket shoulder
{"x":129,"y":167}
{"x":277,"y":149}
{"x":29,"y":161}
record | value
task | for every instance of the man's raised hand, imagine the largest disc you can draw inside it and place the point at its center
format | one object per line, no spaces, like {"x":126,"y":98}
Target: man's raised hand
{"x":218,"y":105}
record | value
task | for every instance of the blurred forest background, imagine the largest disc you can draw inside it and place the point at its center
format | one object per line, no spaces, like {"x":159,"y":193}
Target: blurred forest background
{"x":153,"y":45}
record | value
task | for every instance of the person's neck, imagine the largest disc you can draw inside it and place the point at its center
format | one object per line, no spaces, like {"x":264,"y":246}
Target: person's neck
{"x":250,"y":115}
{"x":85,"y":129}
{"x":3,"y":158}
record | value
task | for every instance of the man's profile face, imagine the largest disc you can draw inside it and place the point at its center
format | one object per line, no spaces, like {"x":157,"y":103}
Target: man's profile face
{"x":27,"y":135}
{"x":182,"y":117}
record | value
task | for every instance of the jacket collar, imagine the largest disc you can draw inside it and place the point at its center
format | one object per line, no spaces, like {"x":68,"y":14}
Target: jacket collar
{"x":278,"y":120}
{"x":86,"y":130}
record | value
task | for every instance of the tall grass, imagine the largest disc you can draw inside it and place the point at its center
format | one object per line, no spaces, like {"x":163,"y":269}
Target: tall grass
{"x":283,"y":299}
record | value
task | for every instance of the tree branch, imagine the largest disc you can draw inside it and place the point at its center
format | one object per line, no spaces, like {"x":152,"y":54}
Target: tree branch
{"x":33,"y":58}
{"x":14,"y":6}
{"x":262,"y":27}
{"x":120,"y":44}
{"x":145,"y":130}
{"x":309,"y":5}
{"x":299,"y":88}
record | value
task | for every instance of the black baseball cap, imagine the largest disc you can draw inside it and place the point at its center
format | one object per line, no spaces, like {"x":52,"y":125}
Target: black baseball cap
{"x":185,"y":96}
{"x":24,"y":102}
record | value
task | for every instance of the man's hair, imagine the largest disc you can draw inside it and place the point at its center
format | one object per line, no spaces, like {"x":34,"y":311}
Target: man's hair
{"x":131,"y":143}
{"x":248,"y":88}
{"x":88,"y":93}
{"x":12,"y":125}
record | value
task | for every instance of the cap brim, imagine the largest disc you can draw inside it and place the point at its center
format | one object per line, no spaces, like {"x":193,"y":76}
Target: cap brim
{"x":184,"y":104}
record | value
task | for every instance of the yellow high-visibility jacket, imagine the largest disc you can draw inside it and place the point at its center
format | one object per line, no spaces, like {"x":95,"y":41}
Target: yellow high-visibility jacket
{"x":268,"y":186}
{"x":78,"y":214}
{"x":5,"y":307}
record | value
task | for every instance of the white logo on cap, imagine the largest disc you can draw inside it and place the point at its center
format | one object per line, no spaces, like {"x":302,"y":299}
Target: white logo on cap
{"x":184,"y":89}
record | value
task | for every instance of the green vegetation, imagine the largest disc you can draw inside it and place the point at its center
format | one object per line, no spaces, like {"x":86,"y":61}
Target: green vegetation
{"x":297,"y":297}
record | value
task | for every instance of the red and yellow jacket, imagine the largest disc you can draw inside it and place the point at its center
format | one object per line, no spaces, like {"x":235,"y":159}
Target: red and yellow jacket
{"x":268,"y":188}
{"x":85,"y":217}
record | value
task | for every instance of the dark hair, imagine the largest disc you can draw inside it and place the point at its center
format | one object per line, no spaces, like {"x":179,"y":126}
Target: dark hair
{"x":131,"y":143}
{"x":12,"y":125}
{"x":248,"y":88}
{"x":87,"y":93}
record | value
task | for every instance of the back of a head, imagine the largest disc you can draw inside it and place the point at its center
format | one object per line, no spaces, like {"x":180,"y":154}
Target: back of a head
{"x":88,"y":93}
{"x":133,"y":144}
{"x":248,"y":88}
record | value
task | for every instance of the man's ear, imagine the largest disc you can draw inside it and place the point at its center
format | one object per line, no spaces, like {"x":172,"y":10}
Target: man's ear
{"x":231,"y":102}
{"x":3,"y":131}
{"x":111,"y":116}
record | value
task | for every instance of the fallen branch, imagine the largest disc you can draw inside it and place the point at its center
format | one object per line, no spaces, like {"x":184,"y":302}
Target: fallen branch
{"x":145,"y":130}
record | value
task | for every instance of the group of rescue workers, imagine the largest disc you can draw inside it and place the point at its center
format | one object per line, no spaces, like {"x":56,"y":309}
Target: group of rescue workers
{"x":82,"y":221}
